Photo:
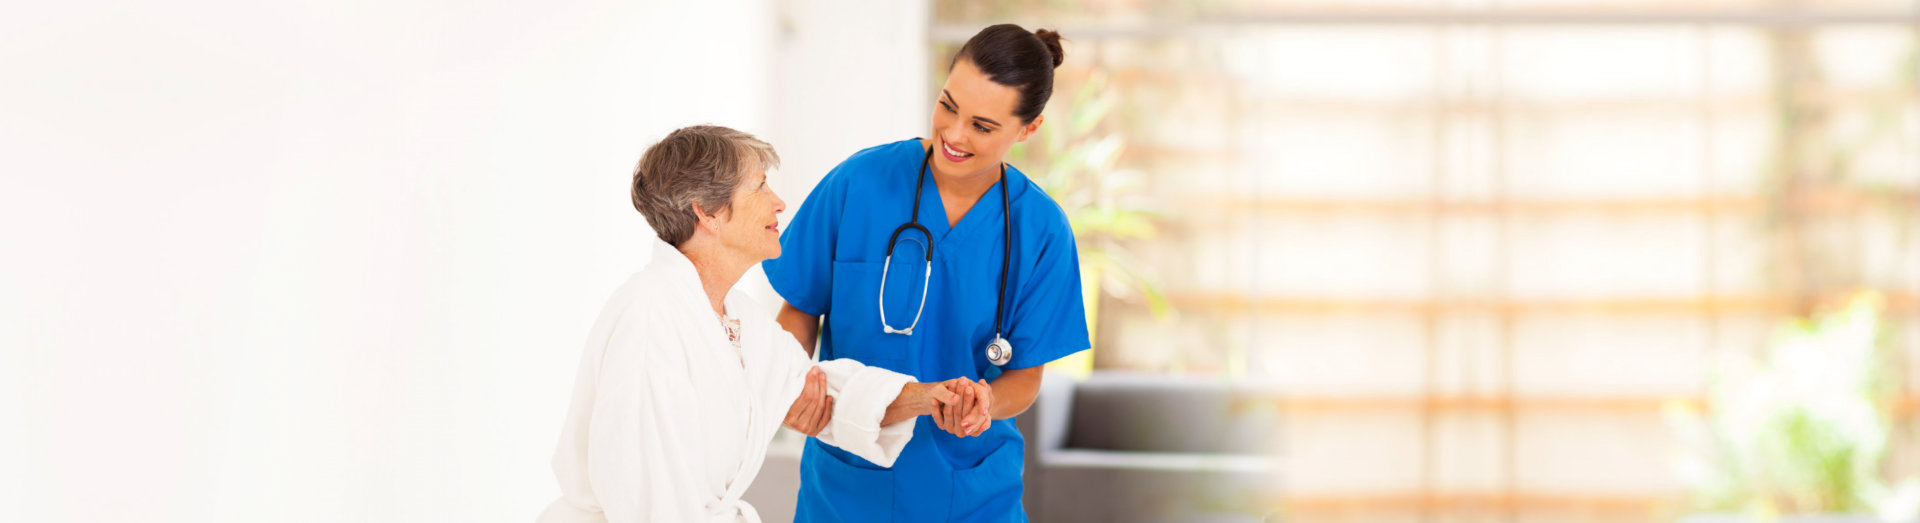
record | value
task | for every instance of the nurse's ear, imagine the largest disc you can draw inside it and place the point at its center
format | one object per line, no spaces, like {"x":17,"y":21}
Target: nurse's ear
{"x":1029,"y":128}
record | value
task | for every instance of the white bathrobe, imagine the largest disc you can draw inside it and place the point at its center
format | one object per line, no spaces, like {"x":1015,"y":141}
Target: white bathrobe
{"x":670,"y":424}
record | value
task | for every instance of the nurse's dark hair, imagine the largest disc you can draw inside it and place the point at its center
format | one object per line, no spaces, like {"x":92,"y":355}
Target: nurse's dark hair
{"x":700,"y":164}
{"x":1014,"y":57}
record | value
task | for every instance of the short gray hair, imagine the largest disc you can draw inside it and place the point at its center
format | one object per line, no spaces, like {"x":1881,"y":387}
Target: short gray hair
{"x":700,"y":164}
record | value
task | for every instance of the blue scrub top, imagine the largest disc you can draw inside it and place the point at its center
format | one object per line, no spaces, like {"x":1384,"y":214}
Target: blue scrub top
{"x":830,"y":265}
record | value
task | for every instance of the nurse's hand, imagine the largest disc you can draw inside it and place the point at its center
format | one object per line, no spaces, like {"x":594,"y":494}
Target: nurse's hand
{"x":972,"y":414}
{"x":813,"y":409}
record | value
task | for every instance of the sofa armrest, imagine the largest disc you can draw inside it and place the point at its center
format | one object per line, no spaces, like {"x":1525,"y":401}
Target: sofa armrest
{"x":1055,"y":401}
{"x":1044,"y":425}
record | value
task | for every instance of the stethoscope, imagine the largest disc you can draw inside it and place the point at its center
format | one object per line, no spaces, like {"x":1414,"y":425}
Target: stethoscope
{"x":999,"y":351}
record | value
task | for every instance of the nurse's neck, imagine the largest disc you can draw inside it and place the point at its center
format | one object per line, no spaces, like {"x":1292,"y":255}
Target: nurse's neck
{"x":971,"y":185}
{"x":719,"y":268}
{"x":960,"y":192}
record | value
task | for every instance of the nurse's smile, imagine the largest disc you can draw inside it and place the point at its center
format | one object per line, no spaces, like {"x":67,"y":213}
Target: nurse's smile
{"x":952,"y":153}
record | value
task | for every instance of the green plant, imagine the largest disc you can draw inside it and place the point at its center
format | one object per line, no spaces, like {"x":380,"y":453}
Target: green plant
{"x":1803,"y":430}
{"x":1078,"y":159}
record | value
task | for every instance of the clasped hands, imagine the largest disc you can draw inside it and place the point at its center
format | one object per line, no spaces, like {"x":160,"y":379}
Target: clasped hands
{"x":959,"y":406}
{"x":966,"y":408}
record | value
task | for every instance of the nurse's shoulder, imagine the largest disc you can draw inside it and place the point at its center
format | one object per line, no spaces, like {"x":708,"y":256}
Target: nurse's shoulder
{"x":1036,"y":210}
{"x":874,"y":163}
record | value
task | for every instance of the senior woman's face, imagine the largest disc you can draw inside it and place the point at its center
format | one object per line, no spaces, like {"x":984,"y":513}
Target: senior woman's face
{"x":752,"y":229}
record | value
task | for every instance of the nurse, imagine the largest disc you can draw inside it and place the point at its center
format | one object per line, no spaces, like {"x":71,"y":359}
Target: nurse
{"x":923,"y":253}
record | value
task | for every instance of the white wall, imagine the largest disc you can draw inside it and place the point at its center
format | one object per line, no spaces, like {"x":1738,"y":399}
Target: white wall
{"x":862,"y":65}
{"x":335,"y":261}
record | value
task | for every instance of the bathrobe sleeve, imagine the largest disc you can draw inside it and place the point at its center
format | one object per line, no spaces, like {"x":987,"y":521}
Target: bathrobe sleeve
{"x":860,"y":398}
{"x":644,"y":434}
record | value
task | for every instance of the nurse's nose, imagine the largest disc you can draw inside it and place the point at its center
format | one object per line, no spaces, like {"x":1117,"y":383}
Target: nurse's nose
{"x":779,"y":204}
{"x":952,"y":132}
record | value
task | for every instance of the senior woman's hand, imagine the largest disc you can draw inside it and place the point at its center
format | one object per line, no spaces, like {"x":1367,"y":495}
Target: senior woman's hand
{"x":917,"y":399}
{"x":814,"y":408}
{"x":972,"y":414}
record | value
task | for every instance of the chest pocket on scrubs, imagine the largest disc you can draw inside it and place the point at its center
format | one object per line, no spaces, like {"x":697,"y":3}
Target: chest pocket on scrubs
{"x":855,"y":318}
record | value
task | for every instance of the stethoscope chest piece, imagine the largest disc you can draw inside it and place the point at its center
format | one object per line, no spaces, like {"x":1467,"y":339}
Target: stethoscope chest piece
{"x":1000,"y":351}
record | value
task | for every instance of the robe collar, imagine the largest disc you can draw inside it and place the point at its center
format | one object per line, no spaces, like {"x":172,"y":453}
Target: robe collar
{"x":678,"y":269}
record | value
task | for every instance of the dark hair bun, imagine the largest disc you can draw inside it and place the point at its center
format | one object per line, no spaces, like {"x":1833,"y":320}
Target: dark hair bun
{"x":1052,"y":39}
{"x":1005,"y":52}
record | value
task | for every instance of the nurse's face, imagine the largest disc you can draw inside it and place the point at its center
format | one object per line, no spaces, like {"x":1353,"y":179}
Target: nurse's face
{"x":973,"y":123}
{"x":752,"y":228}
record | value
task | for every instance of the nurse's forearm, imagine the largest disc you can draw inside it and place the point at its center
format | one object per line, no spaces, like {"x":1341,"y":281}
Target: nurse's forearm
{"x":804,"y":327}
{"x":1014,"y":391}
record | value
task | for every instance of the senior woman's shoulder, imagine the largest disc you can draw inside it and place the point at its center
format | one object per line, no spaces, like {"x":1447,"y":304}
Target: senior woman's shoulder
{"x":632,"y":323}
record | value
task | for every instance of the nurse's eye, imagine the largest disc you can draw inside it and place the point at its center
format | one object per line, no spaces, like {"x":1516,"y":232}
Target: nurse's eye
{"x":949,"y":108}
{"x":982,"y":128}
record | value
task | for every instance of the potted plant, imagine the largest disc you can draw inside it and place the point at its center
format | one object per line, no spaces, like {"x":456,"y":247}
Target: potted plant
{"x":1078,"y":159}
{"x":1799,"y":433}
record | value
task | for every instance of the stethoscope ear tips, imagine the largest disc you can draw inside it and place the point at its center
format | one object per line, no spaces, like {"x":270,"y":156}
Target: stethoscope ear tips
{"x":1000,"y":352}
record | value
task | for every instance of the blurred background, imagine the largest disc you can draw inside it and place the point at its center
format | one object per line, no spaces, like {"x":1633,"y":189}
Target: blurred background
{"x":1380,"y":260}
{"x":1518,"y":260}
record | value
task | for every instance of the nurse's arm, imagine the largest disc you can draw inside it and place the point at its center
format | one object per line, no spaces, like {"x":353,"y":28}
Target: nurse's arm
{"x":804,"y":327}
{"x":1005,"y":397}
{"x":1014,"y":391}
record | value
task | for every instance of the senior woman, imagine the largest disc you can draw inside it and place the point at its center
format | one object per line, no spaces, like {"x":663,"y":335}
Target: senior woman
{"x":682,"y":383}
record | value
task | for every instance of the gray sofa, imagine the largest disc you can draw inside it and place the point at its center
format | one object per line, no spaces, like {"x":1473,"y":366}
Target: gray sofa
{"x":1143,"y":447}
{"x":1121,"y":448}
